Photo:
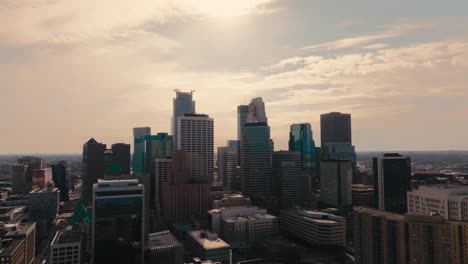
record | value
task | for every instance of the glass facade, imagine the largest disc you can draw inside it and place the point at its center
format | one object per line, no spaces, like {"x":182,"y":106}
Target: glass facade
{"x":301,"y":140}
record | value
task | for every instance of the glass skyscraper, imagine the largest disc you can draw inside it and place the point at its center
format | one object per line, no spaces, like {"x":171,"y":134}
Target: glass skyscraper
{"x":242,"y":114}
{"x":301,"y":140}
{"x":139,"y":151}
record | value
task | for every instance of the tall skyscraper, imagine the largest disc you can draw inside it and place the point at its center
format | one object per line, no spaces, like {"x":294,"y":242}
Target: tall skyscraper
{"x":301,"y":140}
{"x":61,"y":179}
{"x":182,"y":104}
{"x":121,"y":153}
{"x":195,"y":137}
{"x":287,"y":178}
{"x":236,"y":146}
{"x":392,"y":180}
{"x":158,"y":146}
{"x":336,"y":177}
{"x":257,"y":111}
{"x":242,"y":114}
{"x":335,"y":127}
{"x":227,"y":164}
{"x":256,"y":159}
{"x":93,"y":167}
{"x":118,"y":222}
{"x":162,"y":170}
{"x":139,"y":151}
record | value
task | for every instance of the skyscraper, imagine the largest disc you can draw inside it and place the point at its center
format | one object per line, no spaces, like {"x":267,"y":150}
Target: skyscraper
{"x":301,"y":140}
{"x":162,"y":170}
{"x":392,"y":180}
{"x":257,"y":111}
{"x":227,"y":164}
{"x":121,"y":153}
{"x":41,"y":178}
{"x":23,"y":174}
{"x":336,"y":177}
{"x":182,"y":104}
{"x":287,"y":178}
{"x":242,"y":114}
{"x":93,"y":167}
{"x":335,"y":127}
{"x":256,"y":159}
{"x":139,"y":134}
{"x":118,"y":224}
{"x":61,"y":179}
{"x":195,"y":138}
{"x":158,"y":146}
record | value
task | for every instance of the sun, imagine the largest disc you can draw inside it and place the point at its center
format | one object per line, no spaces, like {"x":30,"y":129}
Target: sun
{"x":224,"y":8}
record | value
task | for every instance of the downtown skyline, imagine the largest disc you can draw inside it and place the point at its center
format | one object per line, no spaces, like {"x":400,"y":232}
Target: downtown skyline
{"x":400,"y":73}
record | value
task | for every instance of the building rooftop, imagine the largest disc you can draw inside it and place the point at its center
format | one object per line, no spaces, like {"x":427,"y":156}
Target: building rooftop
{"x":8,"y":246}
{"x":116,"y":183}
{"x":22,"y":229}
{"x":233,"y":219}
{"x":378,"y":213}
{"x":448,"y":189}
{"x":46,"y":190}
{"x":208,"y":240}
{"x":162,"y":240}
{"x":66,"y":236}
{"x":315,"y":216}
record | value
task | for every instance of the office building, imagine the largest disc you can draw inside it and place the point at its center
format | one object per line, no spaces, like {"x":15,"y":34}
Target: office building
{"x":379,"y":237}
{"x":242,"y":115}
{"x":288,"y":178}
{"x":93,"y":167}
{"x":195,"y":137}
{"x":27,"y":233}
{"x":227,"y":164}
{"x":363,"y":195}
{"x":242,"y":226}
{"x":12,"y":251}
{"x":448,"y":200}
{"x":159,"y":146}
{"x":162,"y":169}
{"x":257,"y":112}
{"x":339,"y":151}
{"x":207,"y":245}
{"x":256,"y":159}
{"x":335,"y":127}
{"x":163,"y":248}
{"x":183,"y":104}
{"x":44,"y":204}
{"x":118,"y":222}
{"x":313,"y":227}
{"x":22,"y":173}
{"x":139,"y":151}
{"x":231,"y":200}
{"x":121,"y":154}
{"x":392,"y":180}
{"x":41,"y":178}
{"x":65,"y":247}
{"x":301,"y":140}
{"x":336,"y":177}
{"x":61,"y":178}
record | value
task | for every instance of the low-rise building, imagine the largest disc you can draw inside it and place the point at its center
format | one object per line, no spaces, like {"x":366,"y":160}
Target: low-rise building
{"x":12,"y":251}
{"x":163,"y":248}
{"x":314,"y":227}
{"x":207,"y":245}
{"x":26,"y":232}
{"x":66,"y":247}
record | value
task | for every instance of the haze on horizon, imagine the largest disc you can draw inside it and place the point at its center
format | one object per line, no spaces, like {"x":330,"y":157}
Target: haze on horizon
{"x":70,"y":71}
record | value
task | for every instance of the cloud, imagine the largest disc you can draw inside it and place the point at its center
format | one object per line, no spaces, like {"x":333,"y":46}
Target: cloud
{"x":376,"y":46}
{"x":398,"y":29}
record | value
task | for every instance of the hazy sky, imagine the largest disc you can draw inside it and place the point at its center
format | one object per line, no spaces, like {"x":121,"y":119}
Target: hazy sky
{"x":71,"y":70}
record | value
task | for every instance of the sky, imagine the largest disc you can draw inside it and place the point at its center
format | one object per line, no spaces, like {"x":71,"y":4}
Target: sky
{"x":72,"y":70}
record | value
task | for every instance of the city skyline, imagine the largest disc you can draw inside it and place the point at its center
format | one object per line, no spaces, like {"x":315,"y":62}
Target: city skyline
{"x":94,"y":72}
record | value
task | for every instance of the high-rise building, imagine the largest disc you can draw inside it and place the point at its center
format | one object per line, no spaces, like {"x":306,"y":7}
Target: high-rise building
{"x":287,"y":178}
{"x":336,"y":177}
{"x":66,"y":247}
{"x":23,"y":172}
{"x":118,"y":222}
{"x":162,"y":169}
{"x":448,"y":200}
{"x":61,"y":179}
{"x":301,"y":140}
{"x":206,"y":245}
{"x":121,"y":153}
{"x":182,"y":104}
{"x":363,"y":195}
{"x":195,"y":138}
{"x":316,"y":228}
{"x":182,"y":198}
{"x":379,"y":237}
{"x":163,"y":248}
{"x":139,"y":134}
{"x":44,"y":204}
{"x":158,"y":146}
{"x":41,"y":178}
{"x":257,"y":111}
{"x":340,"y":151}
{"x":335,"y":127}
{"x":93,"y":167}
{"x":235,"y":145}
{"x":242,"y":114}
{"x":392,"y":180}
{"x":256,"y":159}
{"x":227,"y":164}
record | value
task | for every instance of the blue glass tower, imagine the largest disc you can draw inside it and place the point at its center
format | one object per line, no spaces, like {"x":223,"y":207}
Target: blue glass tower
{"x":301,"y":140}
